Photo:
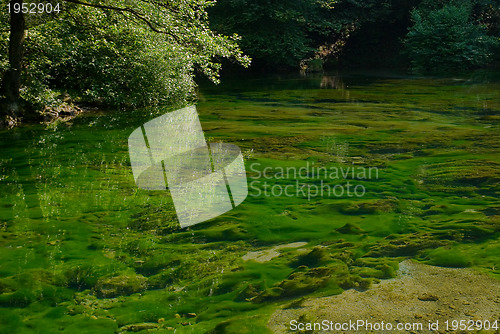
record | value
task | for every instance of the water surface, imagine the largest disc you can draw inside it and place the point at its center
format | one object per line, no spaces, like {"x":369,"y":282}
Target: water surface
{"x":84,"y":251}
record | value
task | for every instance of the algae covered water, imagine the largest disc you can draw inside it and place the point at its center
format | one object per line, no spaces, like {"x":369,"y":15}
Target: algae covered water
{"x":347,"y":176}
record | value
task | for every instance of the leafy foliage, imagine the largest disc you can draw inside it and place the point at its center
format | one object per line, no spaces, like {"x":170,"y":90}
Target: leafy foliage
{"x":123,"y":53}
{"x":446,"y":39}
{"x":4,"y":34}
{"x":276,"y":33}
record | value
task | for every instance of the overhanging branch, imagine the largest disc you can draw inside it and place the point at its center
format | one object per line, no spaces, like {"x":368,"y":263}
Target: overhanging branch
{"x":135,"y":13}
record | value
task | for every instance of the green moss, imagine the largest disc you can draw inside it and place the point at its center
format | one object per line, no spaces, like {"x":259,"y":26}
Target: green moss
{"x":448,"y":258}
{"x":74,"y":225}
{"x":298,"y":303}
{"x":233,"y":233}
{"x":355,"y":282}
{"x":54,"y":295}
{"x":350,"y":228}
{"x":250,"y":325}
{"x":10,"y":322}
{"x":119,"y":285}
{"x":156,"y":263}
{"x":249,"y":292}
{"x":82,"y":277}
{"x":405,"y":245}
{"x":20,"y":298}
{"x":92,"y":326}
{"x":360,"y":208}
{"x":315,"y":257}
{"x":56,"y":312}
{"x":300,"y":283}
{"x":269,"y":294}
{"x":161,"y":219}
{"x":380,"y":271}
{"x":160,"y":280}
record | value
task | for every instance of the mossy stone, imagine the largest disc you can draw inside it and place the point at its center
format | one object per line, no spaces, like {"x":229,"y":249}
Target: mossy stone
{"x":20,"y":298}
{"x":120,"y":285}
{"x":315,"y":257}
{"x":350,"y":228}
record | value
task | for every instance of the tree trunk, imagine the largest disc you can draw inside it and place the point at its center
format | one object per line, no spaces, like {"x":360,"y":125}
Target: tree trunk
{"x":11,"y":82}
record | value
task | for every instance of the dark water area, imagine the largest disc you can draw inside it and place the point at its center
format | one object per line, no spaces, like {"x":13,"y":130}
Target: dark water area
{"x":348,"y":175}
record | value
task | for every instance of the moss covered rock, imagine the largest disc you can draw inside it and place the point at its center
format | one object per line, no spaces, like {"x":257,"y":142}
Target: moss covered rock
{"x":405,"y":245}
{"x":315,"y":257}
{"x":350,"y":228}
{"x":119,"y":285}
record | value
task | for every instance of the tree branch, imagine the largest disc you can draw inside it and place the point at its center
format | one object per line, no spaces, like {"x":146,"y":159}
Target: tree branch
{"x":135,"y":13}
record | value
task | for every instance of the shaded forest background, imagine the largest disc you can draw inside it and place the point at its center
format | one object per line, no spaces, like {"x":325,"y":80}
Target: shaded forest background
{"x":419,"y":35}
{"x":135,"y":53}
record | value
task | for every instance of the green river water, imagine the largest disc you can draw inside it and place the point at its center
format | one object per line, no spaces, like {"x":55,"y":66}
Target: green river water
{"x":412,"y":166}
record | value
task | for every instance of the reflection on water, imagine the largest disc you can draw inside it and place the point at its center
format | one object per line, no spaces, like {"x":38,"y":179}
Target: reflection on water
{"x":333,"y":82}
{"x":78,"y":238}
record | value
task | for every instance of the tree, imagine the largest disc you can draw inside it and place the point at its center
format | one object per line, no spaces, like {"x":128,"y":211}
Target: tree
{"x":276,"y":33}
{"x":379,"y":27}
{"x":11,"y":82}
{"x":113,"y":52}
{"x":282,"y":34}
{"x":446,"y":39}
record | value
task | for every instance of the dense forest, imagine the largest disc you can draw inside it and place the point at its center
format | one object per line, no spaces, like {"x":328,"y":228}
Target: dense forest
{"x":129,"y":54}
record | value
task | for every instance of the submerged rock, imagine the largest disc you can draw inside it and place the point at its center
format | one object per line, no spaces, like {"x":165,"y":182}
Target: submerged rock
{"x":270,"y":253}
{"x":248,"y":293}
{"x":371,"y":207}
{"x":427,"y":297}
{"x":298,"y":283}
{"x":120,"y":285}
{"x":350,"y":228}
{"x":405,"y":245}
{"x":315,"y":257}
{"x":19,"y":299}
{"x":138,"y":327}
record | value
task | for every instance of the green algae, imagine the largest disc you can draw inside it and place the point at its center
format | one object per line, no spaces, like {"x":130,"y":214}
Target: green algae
{"x":83,"y":250}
